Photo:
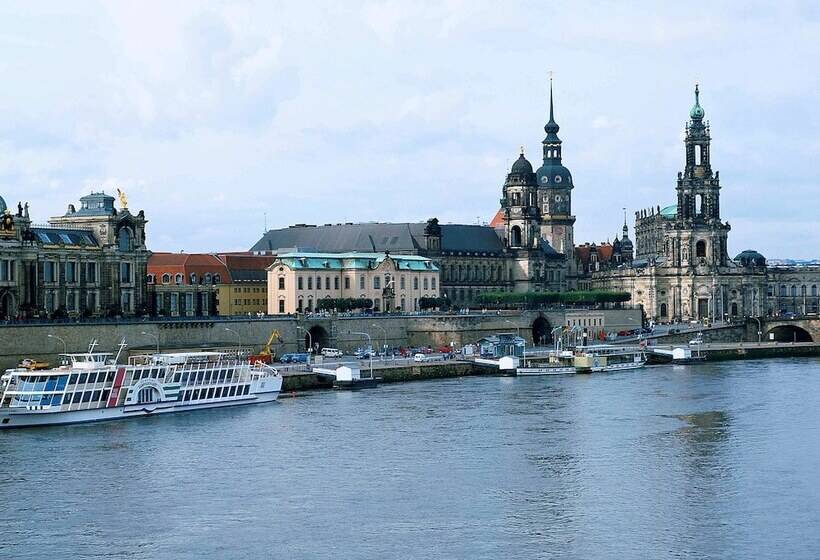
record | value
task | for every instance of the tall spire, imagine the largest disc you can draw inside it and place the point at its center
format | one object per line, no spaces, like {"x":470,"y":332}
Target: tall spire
{"x":551,"y":127}
{"x":697,"y":113}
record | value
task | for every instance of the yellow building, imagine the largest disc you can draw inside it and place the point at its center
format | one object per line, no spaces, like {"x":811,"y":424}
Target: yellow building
{"x":297,"y":281}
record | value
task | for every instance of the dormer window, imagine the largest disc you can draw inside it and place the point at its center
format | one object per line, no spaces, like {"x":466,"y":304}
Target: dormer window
{"x":178,"y":279}
{"x":166,"y":278}
{"x":193,"y":278}
{"x":207,"y":277}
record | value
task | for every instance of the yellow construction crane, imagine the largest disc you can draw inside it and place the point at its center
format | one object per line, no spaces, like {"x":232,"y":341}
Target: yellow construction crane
{"x":266,"y":355}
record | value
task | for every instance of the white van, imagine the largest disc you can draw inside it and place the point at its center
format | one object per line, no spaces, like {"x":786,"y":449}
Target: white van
{"x":331,"y":353}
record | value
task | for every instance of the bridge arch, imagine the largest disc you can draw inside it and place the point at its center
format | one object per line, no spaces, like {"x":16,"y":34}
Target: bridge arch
{"x":541,"y":332}
{"x":789,"y":333}
{"x":318,"y":336}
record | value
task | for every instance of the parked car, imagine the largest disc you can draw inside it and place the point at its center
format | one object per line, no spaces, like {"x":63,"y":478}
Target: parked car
{"x":364,"y":353}
{"x":294,"y":358}
{"x":420,"y":357}
{"x":331,"y":353}
{"x":697,"y":340}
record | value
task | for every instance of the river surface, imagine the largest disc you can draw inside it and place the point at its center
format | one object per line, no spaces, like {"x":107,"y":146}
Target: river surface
{"x":710,"y":461}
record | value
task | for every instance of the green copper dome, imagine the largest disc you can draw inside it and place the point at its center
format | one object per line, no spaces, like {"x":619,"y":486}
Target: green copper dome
{"x":697,"y":112}
{"x":670,"y":212}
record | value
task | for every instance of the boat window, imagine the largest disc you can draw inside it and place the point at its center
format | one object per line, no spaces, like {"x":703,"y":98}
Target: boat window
{"x":95,"y":396}
{"x":196,"y":394}
{"x":67,"y":398}
{"x":86,"y":396}
{"x":72,"y":379}
{"x":232,"y":391}
{"x":77,"y":397}
{"x":110,"y":376}
{"x":211,"y":393}
{"x":218,"y":392}
{"x":83,"y":378}
{"x":106,"y":394}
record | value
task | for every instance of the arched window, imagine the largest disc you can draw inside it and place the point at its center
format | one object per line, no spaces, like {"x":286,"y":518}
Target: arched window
{"x":515,"y":236}
{"x":152,"y":279}
{"x":124,"y":240}
{"x":803,"y":290}
{"x":700,"y":249}
{"x":699,"y":204}
{"x":814,"y":290}
{"x":663,"y":310}
{"x":166,"y":278}
{"x":794,"y":291}
{"x":217,"y":278}
{"x":178,"y":278}
{"x":782,"y":291}
{"x":207,"y":277}
{"x":193,"y":278}
{"x":734,"y":309}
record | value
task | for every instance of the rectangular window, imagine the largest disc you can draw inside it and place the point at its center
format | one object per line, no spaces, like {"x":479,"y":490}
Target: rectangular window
{"x":299,"y":305}
{"x":70,"y":272}
{"x":91,"y":272}
{"x":281,"y":282}
{"x":425,"y":284}
{"x":71,"y":300}
{"x":281,"y":306}
{"x":327,"y":282}
{"x":433,"y":283}
{"x":50,"y":271}
{"x":336,"y":283}
{"x":377,"y":282}
{"x":416,"y":283}
{"x":402,"y":283}
{"x":318,"y":282}
{"x":310,"y":282}
{"x":299,"y":285}
{"x":361,"y":282}
{"x":125,"y":272}
{"x":347,"y":283}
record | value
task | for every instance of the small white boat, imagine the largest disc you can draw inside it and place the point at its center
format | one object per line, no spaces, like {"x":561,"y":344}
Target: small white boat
{"x":92,"y":387}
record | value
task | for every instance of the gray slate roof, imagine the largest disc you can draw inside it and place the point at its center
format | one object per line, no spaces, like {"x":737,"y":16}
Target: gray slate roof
{"x":400,"y":238}
{"x":57,"y":236}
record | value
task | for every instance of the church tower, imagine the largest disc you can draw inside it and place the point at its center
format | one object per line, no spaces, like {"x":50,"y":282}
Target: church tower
{"x":555,"y":194}
{"x":520,"y":206}
{"x":698,"y":190}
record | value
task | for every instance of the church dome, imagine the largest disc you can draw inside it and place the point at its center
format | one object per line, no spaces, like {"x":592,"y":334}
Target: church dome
{"x":670,"y":212}
{"x":521,"y":165}
{"x":2,"y":205}
{"x":750,"y":258}
{"x":553,"y":174}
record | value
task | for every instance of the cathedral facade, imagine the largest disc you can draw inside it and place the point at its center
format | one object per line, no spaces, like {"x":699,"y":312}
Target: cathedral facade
{"x":681,"y":268}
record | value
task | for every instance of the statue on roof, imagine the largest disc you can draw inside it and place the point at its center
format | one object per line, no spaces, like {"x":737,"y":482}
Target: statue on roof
{"x":123,"y":199}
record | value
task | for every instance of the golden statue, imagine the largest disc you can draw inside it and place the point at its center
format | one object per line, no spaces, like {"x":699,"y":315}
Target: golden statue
{"x":123,"y":199}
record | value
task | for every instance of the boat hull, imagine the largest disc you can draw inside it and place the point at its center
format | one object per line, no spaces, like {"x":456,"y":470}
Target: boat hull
{"x":23,"y":418}
{"x":545,"y":371}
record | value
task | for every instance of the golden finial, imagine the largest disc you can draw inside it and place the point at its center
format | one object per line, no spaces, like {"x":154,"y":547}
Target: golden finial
{"x":123,"y":199}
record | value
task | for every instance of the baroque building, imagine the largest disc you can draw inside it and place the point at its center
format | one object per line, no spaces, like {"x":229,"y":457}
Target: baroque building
{"x":681,"y":268}
{"x":90,"y":261}
{"x":298,"y":281}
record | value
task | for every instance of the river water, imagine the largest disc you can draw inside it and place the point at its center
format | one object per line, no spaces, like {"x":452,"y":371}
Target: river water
{"x":710,"y":461}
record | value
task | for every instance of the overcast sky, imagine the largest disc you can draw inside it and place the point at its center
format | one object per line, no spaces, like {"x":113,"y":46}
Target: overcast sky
{"x":210,"y":115}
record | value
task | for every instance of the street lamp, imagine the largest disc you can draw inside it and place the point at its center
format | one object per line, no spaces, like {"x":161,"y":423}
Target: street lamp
{"x":155,"y":337}
{"x":759,"y":329}
{"x":385,"y":335}
{"x":370,"y":344}
{"x":239,"y":338}
{"x":557,"y":340}
{"x":310,"y":338}
{"x":65,"y":348}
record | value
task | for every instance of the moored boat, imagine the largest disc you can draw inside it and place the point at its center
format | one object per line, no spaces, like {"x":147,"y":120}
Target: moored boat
{"x":604,"y":358}
{"x":92,"y":386}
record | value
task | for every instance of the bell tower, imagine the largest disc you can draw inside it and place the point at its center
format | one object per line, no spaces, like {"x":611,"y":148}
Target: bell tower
{"x":698,"y":190}
{"x":520,"y":206}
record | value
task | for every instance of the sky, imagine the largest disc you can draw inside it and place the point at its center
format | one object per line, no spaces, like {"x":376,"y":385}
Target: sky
{"x":217,"y":118}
